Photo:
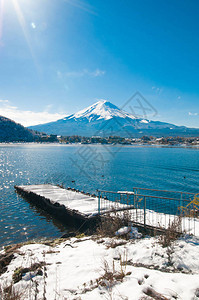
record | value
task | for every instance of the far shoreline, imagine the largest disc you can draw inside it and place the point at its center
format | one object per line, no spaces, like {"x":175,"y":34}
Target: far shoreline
{"x":134,"y":145}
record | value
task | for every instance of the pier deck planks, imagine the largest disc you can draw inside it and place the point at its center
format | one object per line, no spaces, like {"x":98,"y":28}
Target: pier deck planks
{"x":84,"y":205}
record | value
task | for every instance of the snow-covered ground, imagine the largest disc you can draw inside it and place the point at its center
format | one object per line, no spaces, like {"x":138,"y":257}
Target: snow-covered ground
{"x":161,"y":220}
{"x":81,"y":268}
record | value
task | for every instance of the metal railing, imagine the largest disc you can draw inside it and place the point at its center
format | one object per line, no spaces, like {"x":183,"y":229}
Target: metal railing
{"x":154,"y":208}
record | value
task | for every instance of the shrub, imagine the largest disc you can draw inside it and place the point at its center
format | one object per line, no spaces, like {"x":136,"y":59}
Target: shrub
{"x":10,"y":293}
{"x":110,"y":223}
{"x":172,"y":232}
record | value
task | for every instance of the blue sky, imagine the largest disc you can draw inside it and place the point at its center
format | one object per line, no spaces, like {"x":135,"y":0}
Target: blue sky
{"x":59,"y":56}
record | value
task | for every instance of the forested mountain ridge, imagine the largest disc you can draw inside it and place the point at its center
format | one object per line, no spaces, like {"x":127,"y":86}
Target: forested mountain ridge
{"x":11,"y":131}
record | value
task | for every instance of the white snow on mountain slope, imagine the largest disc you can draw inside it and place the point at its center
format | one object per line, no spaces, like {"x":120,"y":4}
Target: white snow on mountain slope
{"x":144,"y":121}
{"x":101,"y":110}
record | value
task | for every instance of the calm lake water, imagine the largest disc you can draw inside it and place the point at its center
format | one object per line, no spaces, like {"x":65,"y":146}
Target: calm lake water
{"x":87,"y":168}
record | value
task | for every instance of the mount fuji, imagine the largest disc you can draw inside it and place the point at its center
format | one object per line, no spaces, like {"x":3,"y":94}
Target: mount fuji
{"x":105,"y":119}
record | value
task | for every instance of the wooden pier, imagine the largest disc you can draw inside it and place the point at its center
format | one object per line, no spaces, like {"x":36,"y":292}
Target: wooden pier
{"x":145,"y":208}
{"x":69,"y":205}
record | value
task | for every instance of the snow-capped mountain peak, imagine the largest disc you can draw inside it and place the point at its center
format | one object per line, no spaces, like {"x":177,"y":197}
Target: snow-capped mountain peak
{"x":106,"y":119}
{"x":102,"y":109}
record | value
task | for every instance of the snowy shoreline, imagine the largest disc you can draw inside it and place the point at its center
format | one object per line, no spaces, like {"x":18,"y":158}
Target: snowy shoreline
{"x":75,"y":268}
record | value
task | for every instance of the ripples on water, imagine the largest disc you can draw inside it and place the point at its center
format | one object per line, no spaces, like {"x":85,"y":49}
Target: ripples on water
{"x":92,"y":167}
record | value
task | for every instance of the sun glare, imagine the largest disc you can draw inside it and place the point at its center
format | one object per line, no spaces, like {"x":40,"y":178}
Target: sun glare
{"x":25,"y":26}
{"x":22,"y":23}
{"x":1,"y":19}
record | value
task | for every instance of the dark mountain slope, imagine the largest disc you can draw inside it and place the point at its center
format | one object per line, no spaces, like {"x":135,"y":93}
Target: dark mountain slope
{"x":13,"y":132}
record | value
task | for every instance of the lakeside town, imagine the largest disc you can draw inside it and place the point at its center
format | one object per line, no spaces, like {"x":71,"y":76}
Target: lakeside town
{"x":146,"y":140}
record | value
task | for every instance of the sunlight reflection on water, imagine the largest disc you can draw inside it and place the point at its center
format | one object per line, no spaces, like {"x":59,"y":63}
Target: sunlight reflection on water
{"x":159,"y":168}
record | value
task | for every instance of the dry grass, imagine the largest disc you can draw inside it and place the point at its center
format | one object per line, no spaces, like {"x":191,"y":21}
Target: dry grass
{"x":19,"y":272}
{"x":172,"y":233}
{"x":113,"y":273}
{"x":6,"y":258}
{"x":113,"y":221}
{"x":192,"y":208}
{"x":8,"y":292}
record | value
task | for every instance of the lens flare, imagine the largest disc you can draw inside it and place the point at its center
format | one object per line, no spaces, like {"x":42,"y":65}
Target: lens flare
{"x":22,"y":23}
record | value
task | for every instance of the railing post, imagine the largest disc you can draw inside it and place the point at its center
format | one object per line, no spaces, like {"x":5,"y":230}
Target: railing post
{"x":99,"y":196}
{"x":181,"y":197}
{"x":144,"y":212}
{"x":134,"y":197}
{"x":135,"y":203}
